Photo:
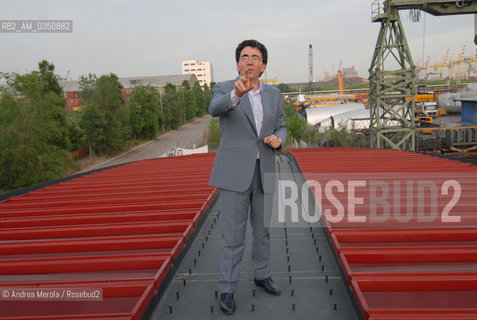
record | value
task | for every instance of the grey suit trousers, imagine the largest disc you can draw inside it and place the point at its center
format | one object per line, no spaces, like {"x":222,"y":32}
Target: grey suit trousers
{"x":234,"y":212}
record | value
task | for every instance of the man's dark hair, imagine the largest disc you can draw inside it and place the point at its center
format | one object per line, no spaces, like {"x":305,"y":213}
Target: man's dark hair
{"x":253,"y":44}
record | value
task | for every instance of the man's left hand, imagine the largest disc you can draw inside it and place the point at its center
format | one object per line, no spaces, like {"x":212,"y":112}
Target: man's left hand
{"x":273,"y":141}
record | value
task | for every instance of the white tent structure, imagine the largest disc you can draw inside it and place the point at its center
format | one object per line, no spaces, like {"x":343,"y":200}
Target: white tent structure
{"x":315,"y":115}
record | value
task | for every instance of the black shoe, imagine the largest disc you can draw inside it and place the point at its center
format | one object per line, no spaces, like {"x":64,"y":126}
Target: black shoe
{"x":227,"y":303}
{"x":268,"y":285}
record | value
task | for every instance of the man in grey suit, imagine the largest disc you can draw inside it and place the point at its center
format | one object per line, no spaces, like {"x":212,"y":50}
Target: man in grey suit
{"x":252,"y":128}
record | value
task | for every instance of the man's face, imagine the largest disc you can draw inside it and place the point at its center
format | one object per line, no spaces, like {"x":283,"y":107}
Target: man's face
{"x":251,"y":61}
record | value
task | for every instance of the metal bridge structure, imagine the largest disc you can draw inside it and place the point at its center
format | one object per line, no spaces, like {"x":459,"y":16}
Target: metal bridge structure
{"x":392,"y":72}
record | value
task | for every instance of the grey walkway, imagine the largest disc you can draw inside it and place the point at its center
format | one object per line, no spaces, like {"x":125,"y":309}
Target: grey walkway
{"x":302,"y":265}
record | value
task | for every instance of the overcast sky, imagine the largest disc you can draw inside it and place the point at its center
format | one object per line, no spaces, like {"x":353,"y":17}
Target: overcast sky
{"x":152,"y":37}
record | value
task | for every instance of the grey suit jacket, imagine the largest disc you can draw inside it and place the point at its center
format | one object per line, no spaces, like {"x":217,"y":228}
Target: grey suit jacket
{"x":239,"y":143}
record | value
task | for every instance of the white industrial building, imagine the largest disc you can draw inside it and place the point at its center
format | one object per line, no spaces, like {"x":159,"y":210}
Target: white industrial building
{"x":202,"y":70}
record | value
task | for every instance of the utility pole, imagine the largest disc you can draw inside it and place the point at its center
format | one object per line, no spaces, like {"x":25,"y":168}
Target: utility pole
{"x":162,"y":111}
{"x":183,"y":103}
{"x":310,"y":68}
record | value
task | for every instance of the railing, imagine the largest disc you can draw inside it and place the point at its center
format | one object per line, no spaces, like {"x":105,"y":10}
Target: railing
{"x":378,"y":9}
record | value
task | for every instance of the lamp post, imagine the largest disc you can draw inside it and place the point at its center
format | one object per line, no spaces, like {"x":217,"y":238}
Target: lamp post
{"x":162,"y":111}
{"x":183,"y":103}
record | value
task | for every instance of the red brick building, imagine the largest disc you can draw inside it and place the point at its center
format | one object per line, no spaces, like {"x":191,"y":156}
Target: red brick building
{"x":71,"y":88}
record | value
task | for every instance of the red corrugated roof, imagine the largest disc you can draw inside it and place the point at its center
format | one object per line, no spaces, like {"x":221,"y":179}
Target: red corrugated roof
{"x":418,"y":262}
{"x":119,"y":230}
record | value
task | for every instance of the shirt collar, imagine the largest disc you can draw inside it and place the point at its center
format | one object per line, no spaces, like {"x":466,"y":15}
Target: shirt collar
{"x":259,"y":91}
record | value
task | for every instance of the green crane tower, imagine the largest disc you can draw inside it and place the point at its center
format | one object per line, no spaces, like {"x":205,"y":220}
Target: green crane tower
{"x":392,"y":72}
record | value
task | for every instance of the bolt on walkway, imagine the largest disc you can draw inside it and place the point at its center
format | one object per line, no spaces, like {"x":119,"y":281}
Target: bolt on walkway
{"x":303,"y":265}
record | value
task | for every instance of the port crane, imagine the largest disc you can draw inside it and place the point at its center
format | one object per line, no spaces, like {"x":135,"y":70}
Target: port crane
{"x":392,"y":72}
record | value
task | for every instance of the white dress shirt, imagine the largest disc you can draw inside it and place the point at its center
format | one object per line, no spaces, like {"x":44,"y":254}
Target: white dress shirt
{"x":255,"y":98}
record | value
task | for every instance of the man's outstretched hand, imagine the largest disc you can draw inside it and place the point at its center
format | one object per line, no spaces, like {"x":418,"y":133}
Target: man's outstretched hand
{"x":273,"y":141}
{"x":242,"y":85}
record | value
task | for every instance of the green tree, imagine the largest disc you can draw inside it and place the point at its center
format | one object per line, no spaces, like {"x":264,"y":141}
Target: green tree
{"x":144,"y":110}
{"x":297,"y":127}
{"x":48,"y":78}
{"x":189,"y":100}
{"x":207,"y":96}
{"x":200,"y":99}
{"x":284,"y":87}
{"x":214,"y":133}
{"x":344,"y":137}
{"x":136,"y":119}
{"x":33,"y":130}
{"x":106,"y":93}
{"x":172,"y":106}
{"x":93,"y":123}
{"x":74,"y":132}
{"x":186,"y":84}
{"x":42,"y":97}
{"x":87,"y":86}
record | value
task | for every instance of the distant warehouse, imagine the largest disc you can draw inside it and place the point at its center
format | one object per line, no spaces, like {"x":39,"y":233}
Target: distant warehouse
{"x":72,"y":90}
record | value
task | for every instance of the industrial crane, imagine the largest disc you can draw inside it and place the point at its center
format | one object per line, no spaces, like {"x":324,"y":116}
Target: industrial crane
{"x":392,"y":88}
{"x":340,"y":79}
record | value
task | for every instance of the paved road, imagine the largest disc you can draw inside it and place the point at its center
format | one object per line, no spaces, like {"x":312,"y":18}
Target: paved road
{"x":185,"y":137}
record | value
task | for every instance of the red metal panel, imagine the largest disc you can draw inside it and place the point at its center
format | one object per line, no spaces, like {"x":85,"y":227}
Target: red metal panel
{"x":411,"y":314}
{"x":93,"y":218}
{"x":80,"y":264}
{"x":130,"y":193}
{"x":100,"y":229}
{"x":118,"y":229}
{"x":169,"y":206}
{"x":91,"y":244}
{"x":412,"y":270}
